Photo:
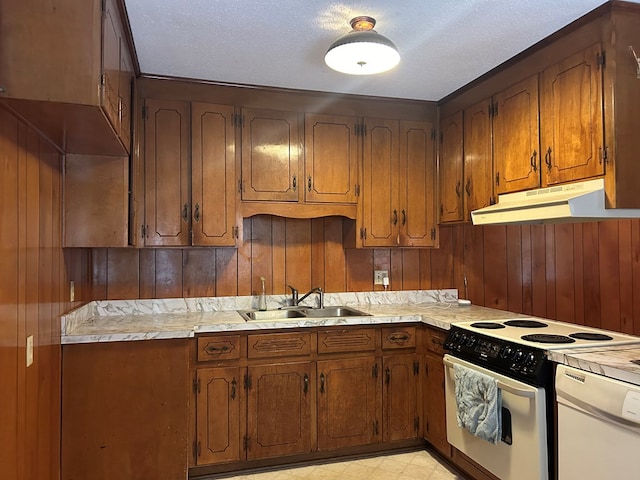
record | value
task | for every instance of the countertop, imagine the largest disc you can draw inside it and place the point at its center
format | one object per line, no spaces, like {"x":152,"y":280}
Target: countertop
{"x":621,"y":363}
{"x":117,"y":321}
{"x":182,"y":318}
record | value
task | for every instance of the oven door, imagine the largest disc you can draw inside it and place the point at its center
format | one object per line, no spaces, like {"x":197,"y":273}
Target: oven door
{"x":522,"y":453}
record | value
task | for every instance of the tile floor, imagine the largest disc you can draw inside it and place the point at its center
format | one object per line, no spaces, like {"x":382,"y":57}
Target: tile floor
{"x":420,"y":465}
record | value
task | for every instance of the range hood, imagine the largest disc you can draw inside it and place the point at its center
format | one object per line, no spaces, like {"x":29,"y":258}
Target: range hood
{"x":573,"y":202}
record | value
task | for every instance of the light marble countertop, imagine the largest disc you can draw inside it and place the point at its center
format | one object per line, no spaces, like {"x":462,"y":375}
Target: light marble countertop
{"x":117,"y":321}
{"x":613,"y":362}
{"x":183,"y":318}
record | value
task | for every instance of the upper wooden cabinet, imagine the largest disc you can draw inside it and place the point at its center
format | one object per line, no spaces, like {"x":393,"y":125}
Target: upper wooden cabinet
{"x":571,"y":119}
{"x":398,"y":188}
{"x":516,"y":138}
{"x":450,"y":168}
{"x":213,"y":167}
{"x":271,"y":152}
{"x":96,"y":201}
{"x":564,"y":111}
{"x":73,"y":83}
{"x":478,"y":166}
{"x":189,"y":192}
{"x":331,"y":156}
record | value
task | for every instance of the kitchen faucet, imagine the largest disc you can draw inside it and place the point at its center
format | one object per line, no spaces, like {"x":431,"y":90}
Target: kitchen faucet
{"x":317,"y":290}
{"x":294,"y":296}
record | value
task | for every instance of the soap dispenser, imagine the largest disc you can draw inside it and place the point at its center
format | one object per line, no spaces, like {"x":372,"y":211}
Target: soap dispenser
{"x":262,"y":300}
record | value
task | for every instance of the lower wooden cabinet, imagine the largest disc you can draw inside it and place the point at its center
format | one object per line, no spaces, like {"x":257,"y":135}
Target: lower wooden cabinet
{"x":435,"y":428}
{"x":400,"y":397}
{"x":279,"y":410}
{"x":347,"y":403}
{"x":125,"y":410}
{"x":260,"y":396}
{"x":218,"y":393}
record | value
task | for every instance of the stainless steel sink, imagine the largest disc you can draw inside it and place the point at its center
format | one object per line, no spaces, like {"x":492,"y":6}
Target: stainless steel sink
{"x":333,"y":312}
{"x":267,"y":315}
{"x":302,"y":312}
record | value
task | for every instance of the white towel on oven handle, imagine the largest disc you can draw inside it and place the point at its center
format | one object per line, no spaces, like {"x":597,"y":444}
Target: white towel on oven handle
{"x":478,"y":403}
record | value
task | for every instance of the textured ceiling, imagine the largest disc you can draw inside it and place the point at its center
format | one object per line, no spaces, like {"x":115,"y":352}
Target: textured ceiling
{"x":444,"y":44}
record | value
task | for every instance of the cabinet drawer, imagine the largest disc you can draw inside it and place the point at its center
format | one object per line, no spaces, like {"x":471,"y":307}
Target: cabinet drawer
{"x":398,"y":337}
{"x":219,"y":348}
{"x":279,"y":344}
{"x":347,"y":340}
{"x":435,"y":340}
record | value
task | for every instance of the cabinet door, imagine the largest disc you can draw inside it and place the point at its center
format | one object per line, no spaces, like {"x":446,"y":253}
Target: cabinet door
{"x":218,"y":415}
{"x":166,"y":162}
{"x":331,"y":154}
{"x":111,"y":33}
{"x":416,"y":188}
{"x":279,"y":416}
{"x":450,"y":168}
{"x":571,"y":118}
{"x":347,"y":403}
{"x":380,"y":210}
{"x":212,"y":175}
{"x":270,"y":155}
{"x":434,"y":405}
{"x":125,"y":94}
{"x":477,"y":158}
{"x":516,"y":139}
{"x":400,"y":397}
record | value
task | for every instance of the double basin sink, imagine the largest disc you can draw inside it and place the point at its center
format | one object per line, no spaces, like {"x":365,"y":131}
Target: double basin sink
{"x":294,"y":313}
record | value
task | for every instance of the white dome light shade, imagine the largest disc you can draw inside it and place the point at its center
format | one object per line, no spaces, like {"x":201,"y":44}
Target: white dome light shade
{"x":362,"y":51}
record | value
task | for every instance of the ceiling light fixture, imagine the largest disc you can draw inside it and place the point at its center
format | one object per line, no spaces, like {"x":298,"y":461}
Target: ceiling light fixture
{"x":362,"y":51}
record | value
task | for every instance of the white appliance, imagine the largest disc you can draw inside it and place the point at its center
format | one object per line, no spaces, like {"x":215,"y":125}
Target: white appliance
{"x":573,"y":202}
{"x":522,"y":453}
{"x":513,"y":352}
{"x":598,"y":426}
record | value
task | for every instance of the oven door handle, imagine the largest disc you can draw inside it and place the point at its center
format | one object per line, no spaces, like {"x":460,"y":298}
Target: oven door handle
{"x":502,"y":386}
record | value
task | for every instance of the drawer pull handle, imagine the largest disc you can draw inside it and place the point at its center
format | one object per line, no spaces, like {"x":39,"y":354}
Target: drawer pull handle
{"x":305,"y":389}
{"x":399,"y":337}
{"x":233,"y":388}
{"x":322,"y":383}
{"x":387,"y":376}
{"x":213,"y":349}
{"x":437,"y":342}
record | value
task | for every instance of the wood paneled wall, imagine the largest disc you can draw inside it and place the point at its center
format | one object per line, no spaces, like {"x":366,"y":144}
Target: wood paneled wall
{"x":583,"y":273}
{"x":33,"y":285}
{"x":299,"y":252}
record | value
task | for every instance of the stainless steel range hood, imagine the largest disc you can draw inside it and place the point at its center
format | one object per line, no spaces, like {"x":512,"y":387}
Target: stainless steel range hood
{"x":574,"y":202}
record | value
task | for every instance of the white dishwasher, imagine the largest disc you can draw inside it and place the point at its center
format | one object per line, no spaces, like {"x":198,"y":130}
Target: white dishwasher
{"x":598,"y":426}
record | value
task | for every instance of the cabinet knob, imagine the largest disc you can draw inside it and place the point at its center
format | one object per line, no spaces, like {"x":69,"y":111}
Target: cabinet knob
{"x":395,"y":217}
{"x":534,"y":162}
{"x":196,"y":213}
{"x":404,"y":217}
{"x":547,"y":158}
{"x":309,"y":183}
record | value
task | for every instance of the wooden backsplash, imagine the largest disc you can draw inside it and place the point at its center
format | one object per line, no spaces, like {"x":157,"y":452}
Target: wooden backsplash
{"x":582,"y":273}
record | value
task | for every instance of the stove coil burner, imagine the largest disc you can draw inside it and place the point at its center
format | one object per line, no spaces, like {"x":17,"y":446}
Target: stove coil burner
{"x":487,"y":325}
{"x":599,"y":337}
{"x":525,"y":323}
{"x":547,"y":338}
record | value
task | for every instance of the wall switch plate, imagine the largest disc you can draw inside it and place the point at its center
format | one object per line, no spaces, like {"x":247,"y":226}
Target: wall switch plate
{"x":72,"y":291}
{"x":29,"y":350}
{"x":379,"y":276}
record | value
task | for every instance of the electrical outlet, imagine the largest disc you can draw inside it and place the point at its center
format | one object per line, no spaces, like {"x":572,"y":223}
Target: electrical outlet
{"x":29,"y":350}
{"x":379,"y":276}
{"x":72,"y":291}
